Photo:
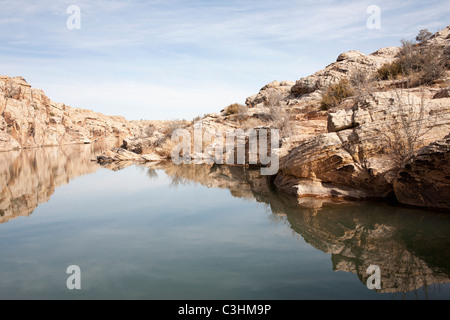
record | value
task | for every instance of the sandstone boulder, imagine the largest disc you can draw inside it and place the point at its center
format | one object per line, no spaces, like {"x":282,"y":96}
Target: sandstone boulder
{"x":444,"y":93}
{"x":347,"y":65}
{"x":425,"y":179}
{"x":272,"y":92}
{"x":355,"y":154}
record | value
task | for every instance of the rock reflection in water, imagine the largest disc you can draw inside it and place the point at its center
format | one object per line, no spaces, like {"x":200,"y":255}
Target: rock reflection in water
{"x":411,"y":247}
{"x":29,"y":177}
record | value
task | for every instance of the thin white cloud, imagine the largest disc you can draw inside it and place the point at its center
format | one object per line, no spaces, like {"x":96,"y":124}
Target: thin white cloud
{"x":177,"y":46}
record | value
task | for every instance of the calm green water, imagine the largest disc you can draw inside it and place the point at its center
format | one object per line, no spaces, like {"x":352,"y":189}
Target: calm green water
{"x":180,"y":232}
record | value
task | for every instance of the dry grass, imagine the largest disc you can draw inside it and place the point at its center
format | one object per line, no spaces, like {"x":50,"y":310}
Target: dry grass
{"x":252,"y":123}
{"x":390,"y":71}
{"x":171,"y":126}
{"x":420,"y":64}
{"x":273,"y":99}
{"x":336,"y":93}
{"x":235,"y":108}
{"x":150,"y":130}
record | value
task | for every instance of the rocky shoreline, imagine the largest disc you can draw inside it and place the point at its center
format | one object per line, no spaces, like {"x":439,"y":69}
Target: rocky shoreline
{"x":387,"y":136}
{"x":355,"y":149}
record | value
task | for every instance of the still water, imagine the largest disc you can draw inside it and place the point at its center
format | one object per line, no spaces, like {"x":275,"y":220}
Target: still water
{"x":160,"y":231}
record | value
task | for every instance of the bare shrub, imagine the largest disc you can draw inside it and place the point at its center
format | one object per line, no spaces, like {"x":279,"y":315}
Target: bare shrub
{"x":173,"y":125}
{"x":433,"y":64}
{"x":254,"y":122}
{"x":11,"y":91}
{"x":150,"y":130}
{"x":273,"y":99}
{"x":235,"y":108}
{"x":336,"y":93}
{"x":279,"y":115}
{"x":166,"y":148}
{"x":196,"y":119}
{"x":408,"y":56}
{"x":362,"y":84}
{"x":390,"y":71}
{"x":359,"y":77}
{"x":159,"y":142}
{"x":403,"y":133}
{"x":447,"y":57}
{"x":422,"y":64}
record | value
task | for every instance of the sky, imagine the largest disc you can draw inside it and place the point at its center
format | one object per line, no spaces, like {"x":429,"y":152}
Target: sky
{"x":173,"y":59}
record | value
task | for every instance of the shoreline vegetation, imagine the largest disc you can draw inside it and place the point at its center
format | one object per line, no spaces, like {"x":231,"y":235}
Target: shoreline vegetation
{"x":366,"y":127}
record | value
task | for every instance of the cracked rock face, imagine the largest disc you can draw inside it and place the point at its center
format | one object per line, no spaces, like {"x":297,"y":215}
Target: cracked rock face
{"x":347,"y":65}
{"x":425,"y":179}
{"x":281,"y":90}
{"x":351,"y":160}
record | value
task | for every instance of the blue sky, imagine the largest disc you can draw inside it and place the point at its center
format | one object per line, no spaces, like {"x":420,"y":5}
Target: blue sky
{"x":170,"y":59}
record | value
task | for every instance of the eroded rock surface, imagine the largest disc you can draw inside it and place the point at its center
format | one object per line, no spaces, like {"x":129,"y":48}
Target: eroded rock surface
{"x":425,"y":179}
{"x":28,"y":118}
{"x":353,"y":160}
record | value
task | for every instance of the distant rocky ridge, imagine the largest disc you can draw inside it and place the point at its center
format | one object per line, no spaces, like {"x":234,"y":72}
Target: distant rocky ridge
{"x":28,"y":118}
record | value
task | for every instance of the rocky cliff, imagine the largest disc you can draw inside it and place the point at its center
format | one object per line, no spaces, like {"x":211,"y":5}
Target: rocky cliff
{"x":370,"y":135}
{"x":28,"y":118}
{"x":354,"y":147}
{"x":425,"y":179}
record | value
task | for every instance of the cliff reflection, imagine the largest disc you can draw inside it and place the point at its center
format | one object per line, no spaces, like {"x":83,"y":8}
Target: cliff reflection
{"x":411,"y":247}
{"x":29,"y":177}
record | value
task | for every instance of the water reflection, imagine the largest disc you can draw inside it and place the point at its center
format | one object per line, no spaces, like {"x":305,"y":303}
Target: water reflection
{"x":29,"y":177}
{"x":412,"y":247}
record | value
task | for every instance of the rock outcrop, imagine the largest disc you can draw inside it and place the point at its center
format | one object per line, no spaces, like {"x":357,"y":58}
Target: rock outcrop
{"x":425,"y":180}
{"x":444,"y":93}
{"x":274,"y":90}
{"x":28,"y":118}
{"x":348,"y":65}
{"x":353,"y":160}
{"x":122,"y":155}
{"x":351,"y":149}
